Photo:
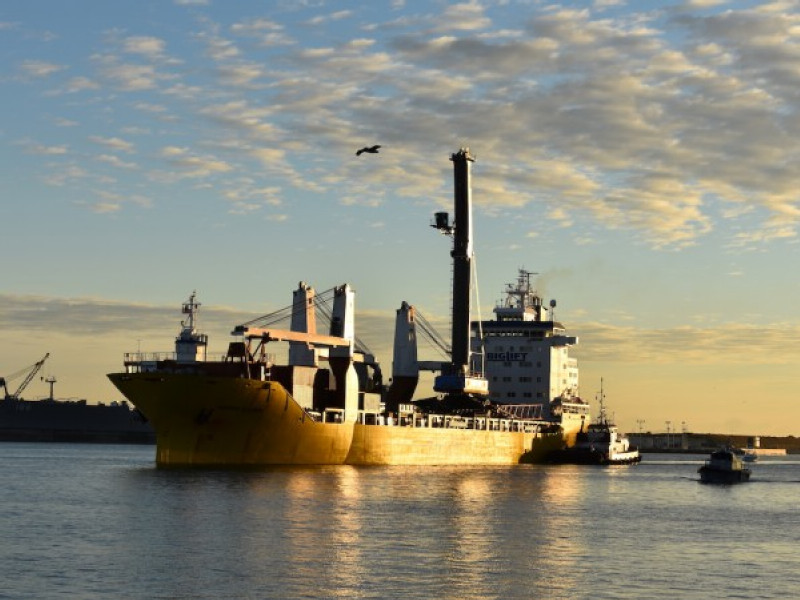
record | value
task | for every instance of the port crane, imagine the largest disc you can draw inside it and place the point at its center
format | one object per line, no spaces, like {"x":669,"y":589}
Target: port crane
{"x":31,"y":373}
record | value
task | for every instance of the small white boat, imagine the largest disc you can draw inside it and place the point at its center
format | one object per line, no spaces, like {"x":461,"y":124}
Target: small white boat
{"x":746,"y":454}
{"x":724,"y":466}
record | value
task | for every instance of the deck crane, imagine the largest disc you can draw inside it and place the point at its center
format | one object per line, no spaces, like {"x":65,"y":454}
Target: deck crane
{"x":31,"y":373}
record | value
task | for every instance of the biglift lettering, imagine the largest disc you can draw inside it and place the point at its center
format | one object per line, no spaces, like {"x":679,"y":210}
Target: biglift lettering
{"x":506,"y":356}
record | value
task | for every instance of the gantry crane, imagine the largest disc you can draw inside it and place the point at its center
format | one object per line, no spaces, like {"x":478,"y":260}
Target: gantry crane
{"x":31,"y":373}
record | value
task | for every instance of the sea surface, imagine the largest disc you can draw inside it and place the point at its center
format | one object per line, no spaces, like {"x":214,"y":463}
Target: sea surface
{"x":100,"y":521}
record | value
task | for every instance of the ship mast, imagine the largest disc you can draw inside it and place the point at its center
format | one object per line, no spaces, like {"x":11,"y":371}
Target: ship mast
{"x":601,"y":397}
{"x":462,"y":260}
{"x":190,"y":346}
{"x":190,"y":308}
{"x":456,"y":377}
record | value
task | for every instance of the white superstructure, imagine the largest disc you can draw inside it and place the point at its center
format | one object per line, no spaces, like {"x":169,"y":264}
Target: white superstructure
{"x":527,"y":355}
{"x":190,"y":346}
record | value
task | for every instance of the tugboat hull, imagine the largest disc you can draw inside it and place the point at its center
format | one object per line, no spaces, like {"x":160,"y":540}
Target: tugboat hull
{"x":579,"y":456}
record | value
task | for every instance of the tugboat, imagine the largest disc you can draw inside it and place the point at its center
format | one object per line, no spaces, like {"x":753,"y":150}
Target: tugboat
{"x":600,"y":444}
{"x":724,"y":466}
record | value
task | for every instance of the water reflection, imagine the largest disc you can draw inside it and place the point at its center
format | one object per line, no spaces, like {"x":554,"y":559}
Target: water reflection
{"x":558,"y":535}
{"x":78,"y":524}
{"x":335,"y":532}
{"x":473,"y":558}
{"x":344,"y":555}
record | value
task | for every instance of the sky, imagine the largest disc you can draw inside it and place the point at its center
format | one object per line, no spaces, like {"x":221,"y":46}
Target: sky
{"x":642,"y":157}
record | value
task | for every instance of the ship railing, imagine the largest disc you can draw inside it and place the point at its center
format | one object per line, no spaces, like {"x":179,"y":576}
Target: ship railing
{"x":436,"y":421}
{"x":521,"y":411}
{"x":148,"y":357}
{"x":132,"y":358}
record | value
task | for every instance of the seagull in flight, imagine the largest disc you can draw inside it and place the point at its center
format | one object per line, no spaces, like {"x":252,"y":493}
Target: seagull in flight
{"x":370,"y":149}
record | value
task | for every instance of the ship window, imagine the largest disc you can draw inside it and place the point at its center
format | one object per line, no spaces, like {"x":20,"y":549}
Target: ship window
{"x":538,"y":380}
{"x":507,"y":364}
{"x":528,"y":395}
{"x":539,"y":364}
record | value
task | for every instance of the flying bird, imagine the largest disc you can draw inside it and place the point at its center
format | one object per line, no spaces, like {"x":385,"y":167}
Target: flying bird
{"x":370,"y":149}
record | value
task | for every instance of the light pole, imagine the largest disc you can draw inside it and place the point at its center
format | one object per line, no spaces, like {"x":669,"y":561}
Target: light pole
{"x":668,"y":424}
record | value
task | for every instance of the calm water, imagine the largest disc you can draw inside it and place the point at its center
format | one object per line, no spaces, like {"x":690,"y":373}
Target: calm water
{"x":85,"y":521}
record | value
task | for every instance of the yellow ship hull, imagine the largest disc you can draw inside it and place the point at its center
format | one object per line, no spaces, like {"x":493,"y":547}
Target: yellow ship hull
{"x":222,"y":421}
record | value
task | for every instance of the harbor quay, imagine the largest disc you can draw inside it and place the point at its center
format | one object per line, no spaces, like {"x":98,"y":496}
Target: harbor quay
{"x":705,"y":442}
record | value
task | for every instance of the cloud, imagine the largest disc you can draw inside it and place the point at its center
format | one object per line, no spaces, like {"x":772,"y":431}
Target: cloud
{"x":127,"y":76}
{"x":115,"y":161}
{"x":240,"y":74}
{"x":336,"y":16}
{"x":104,"y":322}
{"x":103,"y":208}
{"x":464,"y":17}
{"x":150,"y":107}
{"x":66,"y":175}
{"x":192,"y":165}
{"x":113,"y":143}
{"x":731,"y":344}
{"x":767,"y":344}
{"x":40,"y":69}
{"x":256,"y":27}
{"x":32,"y":147}
{"x":603,"y":4}
{"x":220,"y":49}
{"x":668,"y":125}
{"x":246,"y":196}
{"x":148,"y":46}
{"x":79,"y":84}
{"x":95,"y":316}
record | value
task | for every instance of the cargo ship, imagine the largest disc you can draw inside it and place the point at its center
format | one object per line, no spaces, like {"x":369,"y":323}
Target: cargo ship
{"x":328,"y":404}
{"x":68,"y":420}
{"x":52,"y":420}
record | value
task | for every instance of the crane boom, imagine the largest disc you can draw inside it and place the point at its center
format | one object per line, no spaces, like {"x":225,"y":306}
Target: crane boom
{"x":32,"y":371}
